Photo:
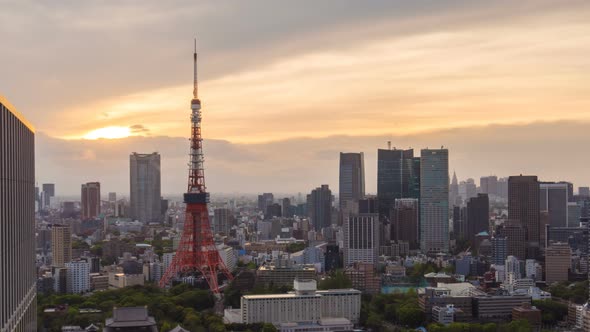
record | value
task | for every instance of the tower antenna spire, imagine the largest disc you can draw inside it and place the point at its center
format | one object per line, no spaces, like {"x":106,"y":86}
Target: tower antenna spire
{"x":195,"y":83}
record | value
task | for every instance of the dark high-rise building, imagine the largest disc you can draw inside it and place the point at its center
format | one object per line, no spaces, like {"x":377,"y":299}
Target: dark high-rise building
{"x":18,"y":278}
{"x":273,"y":210}
{"x":369,"y":205}
{"x":397,"y":177}
{"x":584,"y":191}
{"x":499,"y":250}
{"x":478,"y":216}
{"x":515,"y":235}
{"x":332,"y":258}
{"x":554,"y":198}
{"x":352,"y":178}
{"x":145,"y":187}
{"x":264,"y":201}
{"x":524,"y":208}
{"x":404,"y":221}
{"x":90,"y":200}
{"x":434,"y":200}
{"x":319,"y":207}
{"x":459,"y":223}
{"x":47,"y":195}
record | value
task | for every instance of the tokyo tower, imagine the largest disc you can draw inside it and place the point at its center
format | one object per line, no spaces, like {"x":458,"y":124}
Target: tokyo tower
{"x":196,"y":254}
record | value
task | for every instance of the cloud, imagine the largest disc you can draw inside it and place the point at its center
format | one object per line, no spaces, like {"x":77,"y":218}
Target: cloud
{"x":139,"y":129}
{"x":548,"y":149}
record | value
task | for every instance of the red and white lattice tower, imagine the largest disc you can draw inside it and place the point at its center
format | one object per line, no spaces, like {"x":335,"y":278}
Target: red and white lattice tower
{"x":196,"y":254}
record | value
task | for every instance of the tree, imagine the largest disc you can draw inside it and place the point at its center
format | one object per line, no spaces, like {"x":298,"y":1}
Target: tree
{"x":337,"y":280}
{"x":267,"y":327}
{"x":410,"y":315}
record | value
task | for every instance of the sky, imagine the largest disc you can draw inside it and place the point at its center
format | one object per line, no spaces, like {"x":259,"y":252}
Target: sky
{"x":286,"y":86}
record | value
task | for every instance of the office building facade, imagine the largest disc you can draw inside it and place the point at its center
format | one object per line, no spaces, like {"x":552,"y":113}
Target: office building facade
{"x":61,"y":245}
{"x":434,"y":200}
{"x":351,"y":179}
{"x":361,"y":239}
{"x":90,"y":200}
{"x":319,"y":207}
{"x":145,"y":188}
{"x":554,"y":198}
{"x":18,"y":277}
{"x":477,"y":216}
{"x":524,"y":208}
{"x":405,"y":220}
{"x":398,"y":176}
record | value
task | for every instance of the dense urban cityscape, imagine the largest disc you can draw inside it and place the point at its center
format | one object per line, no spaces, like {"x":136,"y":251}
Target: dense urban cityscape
{"x":429,"y":250}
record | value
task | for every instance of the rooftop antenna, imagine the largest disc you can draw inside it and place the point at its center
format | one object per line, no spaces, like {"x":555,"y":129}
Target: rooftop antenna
{"x":195,"y":85}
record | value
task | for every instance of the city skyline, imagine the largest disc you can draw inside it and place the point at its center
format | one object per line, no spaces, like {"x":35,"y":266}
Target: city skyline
{"x":505,"y":78}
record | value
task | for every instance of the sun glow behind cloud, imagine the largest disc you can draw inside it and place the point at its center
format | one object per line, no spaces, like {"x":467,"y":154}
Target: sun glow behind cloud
{"x":112,"y":132}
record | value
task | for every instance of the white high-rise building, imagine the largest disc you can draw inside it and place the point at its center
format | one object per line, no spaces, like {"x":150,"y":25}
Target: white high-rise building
{"x":361,"y":239}
{"x":145,"y":192}
{"x":167,"y":259}
{"x":78,"y":280}
{"x":512,"y":265}
{"x":228,"y":256}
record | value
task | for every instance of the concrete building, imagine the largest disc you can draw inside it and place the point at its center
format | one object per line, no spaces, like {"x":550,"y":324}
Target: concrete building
{"x":18,"y":308}
{"x":499,"y":250}
{"x":90,"y":194}
{"x":405,"y":220}
{"x":489,"y":185}
{"x":221,"y":220}
{"x":282,"y":272}
{"x":305,"y":304}
{"x":524,"y":208}
{"x":78,"y":277}
{"x":361,"y":239}
{"x":497,"y":308}
{"x":61,"y":245}
{"x":444,"y":314}
{"x":351,"y":179}
{"x":434,"y":201}
{"x":145,"y":188}
{"x":558,"y":258}
{"x":515,"y":235}
{"x":319,"y":207}
{"x":528,"y":313}
{"x":364,"y":278}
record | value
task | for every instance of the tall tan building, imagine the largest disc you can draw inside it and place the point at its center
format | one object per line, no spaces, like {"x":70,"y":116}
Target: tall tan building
{"x":18,"y":307}
{"x":558,"y":257}
{"x":90,"y":200}
{"x":61,"y":245}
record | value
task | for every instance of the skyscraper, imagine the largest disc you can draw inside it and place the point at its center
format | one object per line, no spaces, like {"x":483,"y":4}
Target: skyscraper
{"x":145,"y":192}
{"x":47,"y":194}
{"x":454,"y":191}
{"x":478,"y":216}
{"x":404,"y":221}
{"x":352,"y":179}
{"x":221,"y":218}
{"x":361,"y":239}
{"x":489,"y":185}
{"x":61,"y":245}
{"x":264,"y":201}
{"x":18,"y":278}
{"x":319,"y":207}
{"x":523,"y":207}
{"x":554,"y":198}
{"x":434,"y":200}
{"x":397,"y":177}
{"x":90,"y":200}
